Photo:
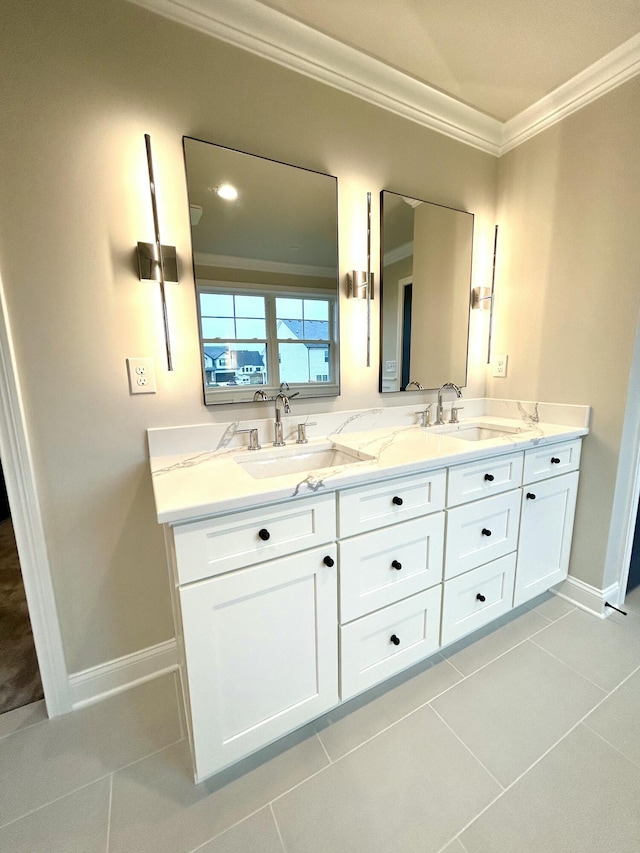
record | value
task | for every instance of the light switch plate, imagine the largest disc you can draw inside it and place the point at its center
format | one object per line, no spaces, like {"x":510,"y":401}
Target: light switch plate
{"x":142,"y":377}
{"x":500,"y":365}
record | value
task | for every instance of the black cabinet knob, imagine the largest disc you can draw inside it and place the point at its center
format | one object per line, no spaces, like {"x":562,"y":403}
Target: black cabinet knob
{"x":486,"y":532}
{"x":395,"y":640}
{"x":329,"y":561}
{"x":396,"y":565}
{"x":489,"y":478}
{"x":264,"y":534}
{"x":555,"y":460}
{"x":397,"y":501}
{"x":481,"y":597}
{"x":531,"y":496}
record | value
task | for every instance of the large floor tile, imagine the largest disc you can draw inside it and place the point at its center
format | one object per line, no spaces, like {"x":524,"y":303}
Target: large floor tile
{"x":75,"y":824}
{"x":551,"y":606}
{"x":515,"y":708}
{"x":480,"y":648}
{"x":156,"y":806}
{"x":580,"y":798}
{"x":412,"y":788}
{"x":617,"y":719}
{"x":22,"y":718}
{"x":603,"y":650}
{"x":47,"y":761}
{"x":362,"y":718}
{"x":256,"y":834}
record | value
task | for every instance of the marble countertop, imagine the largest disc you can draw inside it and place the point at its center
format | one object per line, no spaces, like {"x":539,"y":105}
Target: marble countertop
{"x":197,"y":482}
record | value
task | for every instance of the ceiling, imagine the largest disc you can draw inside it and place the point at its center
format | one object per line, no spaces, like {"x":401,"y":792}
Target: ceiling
{"x":491,"y":74}
{"x":499,"y":56}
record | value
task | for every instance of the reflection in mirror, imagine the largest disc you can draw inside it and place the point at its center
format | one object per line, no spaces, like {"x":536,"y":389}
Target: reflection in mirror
{"x":425,"y":293}
{"x":265,"y":256}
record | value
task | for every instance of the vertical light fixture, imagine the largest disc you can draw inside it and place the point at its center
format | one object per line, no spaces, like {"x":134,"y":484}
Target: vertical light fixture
{"x":155,"y":261}
{"x":360,"y":283}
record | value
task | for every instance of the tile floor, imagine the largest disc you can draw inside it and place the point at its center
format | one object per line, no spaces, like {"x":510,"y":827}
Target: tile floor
{"x":524,"y":738}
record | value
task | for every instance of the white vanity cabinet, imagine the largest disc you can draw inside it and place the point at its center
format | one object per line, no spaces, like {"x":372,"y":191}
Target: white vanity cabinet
{"x":283,"y":611}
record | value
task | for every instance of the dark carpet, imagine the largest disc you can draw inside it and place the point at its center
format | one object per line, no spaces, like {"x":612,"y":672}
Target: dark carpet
{"x":19,"y":675}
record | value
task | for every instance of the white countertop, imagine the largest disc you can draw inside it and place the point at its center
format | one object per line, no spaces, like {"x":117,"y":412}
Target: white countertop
{"x":193,"y":484}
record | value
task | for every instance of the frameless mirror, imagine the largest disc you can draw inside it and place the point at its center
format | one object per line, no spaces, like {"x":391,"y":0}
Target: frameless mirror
{"x":425,"y":293}
{"x":265,"y":256}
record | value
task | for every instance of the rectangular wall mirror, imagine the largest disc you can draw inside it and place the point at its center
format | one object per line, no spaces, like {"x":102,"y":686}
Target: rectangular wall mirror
{"x":425,"y":293}
{"x":265,"y":257}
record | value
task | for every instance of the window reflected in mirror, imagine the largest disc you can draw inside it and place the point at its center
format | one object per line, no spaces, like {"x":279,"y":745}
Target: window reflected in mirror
{"x":425,"y":293}
{"x":265,"y":255}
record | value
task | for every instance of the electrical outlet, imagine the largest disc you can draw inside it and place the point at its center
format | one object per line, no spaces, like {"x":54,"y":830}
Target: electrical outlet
{"x":500,"y":365}
{"x":390,"y":367}
{"x":142,"y":378}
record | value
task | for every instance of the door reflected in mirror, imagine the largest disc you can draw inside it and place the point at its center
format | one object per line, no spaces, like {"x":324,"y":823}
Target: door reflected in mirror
{"x":425,"y":293}
{"x":265,"y":256}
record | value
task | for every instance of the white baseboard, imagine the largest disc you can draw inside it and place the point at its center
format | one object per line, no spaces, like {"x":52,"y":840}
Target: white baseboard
{"x":98,"y":682}
{"x":588,"y":597}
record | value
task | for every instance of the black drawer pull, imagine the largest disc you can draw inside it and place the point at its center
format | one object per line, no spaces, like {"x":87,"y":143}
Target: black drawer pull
{"x":329,"y":561}
{"x":264,"y":534}
{"x":531,"y":496}
{"x":397,"y":565}
{"x":555,"y":460}
{"x":481,"y":597}
{"x":489,"y":478}
{"x":397,"y":501}
{"x":395,"y":640}
{"x":486,"y":532}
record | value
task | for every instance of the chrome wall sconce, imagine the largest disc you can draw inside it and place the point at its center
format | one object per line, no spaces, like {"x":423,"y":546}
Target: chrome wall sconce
{"x":360,"y":284}
{"x":157,"y":262}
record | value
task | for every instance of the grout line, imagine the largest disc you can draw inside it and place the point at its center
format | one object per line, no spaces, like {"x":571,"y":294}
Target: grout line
{"x":273,"y":815}
{"x":462,"y":844}
{"x":228,"y":828}
{"x":544,"y":754}
{"x":88,"y":784}
{"x":617,"y":749}
{"x":564,"y":663}
{"x":28,"y":726}
{"x":324,"y":748}
{"x":109,"y":813}
{"x":469,"y":750}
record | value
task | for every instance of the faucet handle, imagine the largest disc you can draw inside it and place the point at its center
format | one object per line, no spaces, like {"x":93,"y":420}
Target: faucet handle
{"x":454,"y":414}
{"x":253,"y":437}
{"x":302,"y":432}
{"x":424,"y":418}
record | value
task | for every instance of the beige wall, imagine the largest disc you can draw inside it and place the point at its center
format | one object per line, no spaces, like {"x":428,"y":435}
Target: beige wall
{"x":568,"y":288}
{"x":83,"y":80}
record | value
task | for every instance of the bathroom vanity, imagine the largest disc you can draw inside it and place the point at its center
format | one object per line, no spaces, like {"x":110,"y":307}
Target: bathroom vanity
{"x":296,"y":588}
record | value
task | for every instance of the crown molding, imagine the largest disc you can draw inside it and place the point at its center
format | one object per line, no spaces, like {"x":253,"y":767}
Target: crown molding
{"x":206,"y":259}
{"x":272,"y":35}
{"x":606,"y":74}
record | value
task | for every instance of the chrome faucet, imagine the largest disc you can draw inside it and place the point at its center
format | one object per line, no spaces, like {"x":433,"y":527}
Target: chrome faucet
{"x":259,"y":396}
{"x":412,"y":383}
{"x":440,"y":410}
{"x":282,"y":405}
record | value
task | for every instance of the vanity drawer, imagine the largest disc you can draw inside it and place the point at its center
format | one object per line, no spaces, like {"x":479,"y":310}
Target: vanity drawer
{"x":481,"y":531}
{"x":477,"y":597}
{"x":547,"y":460}
{"x":216,"y":545}
{"x":484,"y":478}
{"x":387,"y":565}
{"x":385,"y":642}
{"x":375,"y":505}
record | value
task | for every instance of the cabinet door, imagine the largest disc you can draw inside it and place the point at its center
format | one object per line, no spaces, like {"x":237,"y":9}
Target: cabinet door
{"x":546,"y":526}
{"x":261,"y":654}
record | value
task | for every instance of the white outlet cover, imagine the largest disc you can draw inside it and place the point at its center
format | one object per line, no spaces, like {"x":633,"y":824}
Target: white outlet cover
{"x":142,"y":377}
{"x":500,"y":365}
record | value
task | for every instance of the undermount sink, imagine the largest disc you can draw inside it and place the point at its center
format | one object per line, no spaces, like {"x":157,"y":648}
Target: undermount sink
{"x":299,"y":459}
{"x":484,"y":432}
